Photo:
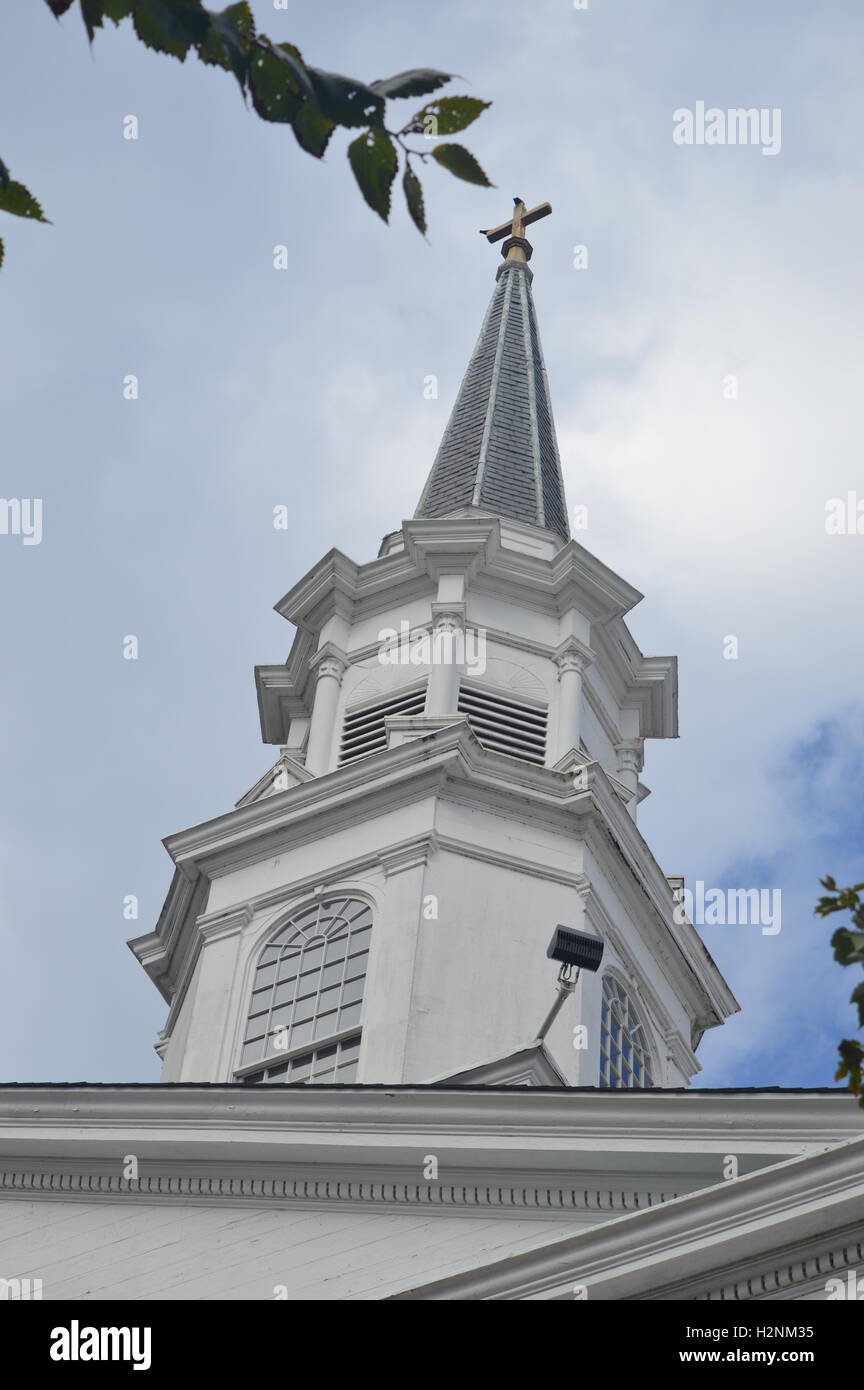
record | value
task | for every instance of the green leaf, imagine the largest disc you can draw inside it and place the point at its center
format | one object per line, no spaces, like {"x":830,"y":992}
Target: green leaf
{"x":228,"y":41}
{"x":851,"y":1062}
{"x":346,"y":101}
{"x":848,"y":946}
{"x":15,"y":198}
{"x":462,"y":163}
{"x":1,"y":253}
{"x":857,"y":997}
{"x":374,"y":161}
{"x":312,"y":129}
{"x":276,"y":94}
{"x":414,"y":198}
{"x":4,"y":175}
{"x":171,"y":26}
{"x":289,"y":55}
{"x":451,"y":114}
{"x":94,"y":11}
{"x":415,"y":83}
{"x":58,"y":7}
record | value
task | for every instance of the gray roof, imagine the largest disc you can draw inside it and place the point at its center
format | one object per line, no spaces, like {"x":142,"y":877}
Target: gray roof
{"x":499,"y":450}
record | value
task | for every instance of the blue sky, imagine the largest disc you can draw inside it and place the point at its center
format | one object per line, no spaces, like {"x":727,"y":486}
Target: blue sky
{"x":305,"y":387}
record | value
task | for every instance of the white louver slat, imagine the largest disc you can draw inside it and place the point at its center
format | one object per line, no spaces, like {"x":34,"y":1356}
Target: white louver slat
{"x":504,"y":725}
{"x":363,"y":730}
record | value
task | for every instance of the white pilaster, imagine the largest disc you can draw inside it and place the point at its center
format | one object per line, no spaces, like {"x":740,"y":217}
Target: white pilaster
{"x":571,"y":659}
{"x":331,"y":665}
{"x":630,"y":761}
{"x":447,"y":657}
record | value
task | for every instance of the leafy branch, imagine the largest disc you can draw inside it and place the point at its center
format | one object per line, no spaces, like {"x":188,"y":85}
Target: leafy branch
{"x":848,"y":944}
{"x":282,"y":88}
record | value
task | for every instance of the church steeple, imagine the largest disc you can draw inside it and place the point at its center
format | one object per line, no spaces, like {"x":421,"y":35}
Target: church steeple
{"x":499,"y":452}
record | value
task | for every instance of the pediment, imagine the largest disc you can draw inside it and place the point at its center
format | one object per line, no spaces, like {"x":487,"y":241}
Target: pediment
{"x":529,"y":1066}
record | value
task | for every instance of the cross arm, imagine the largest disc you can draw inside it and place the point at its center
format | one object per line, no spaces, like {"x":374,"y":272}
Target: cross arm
{"x":506,"y":228}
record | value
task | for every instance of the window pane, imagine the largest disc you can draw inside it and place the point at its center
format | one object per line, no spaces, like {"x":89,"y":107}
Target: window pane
{"x":356,"y":965}
{"x":280,"y":1018}
{"x":348,"y":1017}
{"x":325,"y":1024}
{"x":622,"y":1038}
{"x":304,"y":1008}
{"x":353,"y":990}
{"x":283,"y":994}
{"x":335,"y":950}
{"x":329,"y":999}
{"x":308,"y":984}
{"x":331,"y":974}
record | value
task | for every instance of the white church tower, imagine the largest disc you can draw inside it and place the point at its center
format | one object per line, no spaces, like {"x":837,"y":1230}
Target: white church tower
{"x":460,"y":725}
{"x":460,"y":728}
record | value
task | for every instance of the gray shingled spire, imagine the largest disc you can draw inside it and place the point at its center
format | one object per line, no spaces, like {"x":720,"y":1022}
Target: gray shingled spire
{"x":499,"y":452}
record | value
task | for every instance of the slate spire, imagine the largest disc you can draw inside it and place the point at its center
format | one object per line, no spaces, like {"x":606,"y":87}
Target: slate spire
{"x":499,"y":452}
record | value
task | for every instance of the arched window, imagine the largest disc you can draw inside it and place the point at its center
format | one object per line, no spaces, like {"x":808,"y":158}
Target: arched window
{"x":624,"y":1055}
{"x":308,"y":989}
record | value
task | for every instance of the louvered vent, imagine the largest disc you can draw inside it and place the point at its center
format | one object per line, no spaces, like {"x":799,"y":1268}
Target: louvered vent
{"x":506,"y":726}
{"x":363,"y":731}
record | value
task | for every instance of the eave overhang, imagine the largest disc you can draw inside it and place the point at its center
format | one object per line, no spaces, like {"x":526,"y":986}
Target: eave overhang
{"x":599,"y":1170}
{"x":448,"y":762}
{"x":753,"y":1236}
{"x":470,"y":546}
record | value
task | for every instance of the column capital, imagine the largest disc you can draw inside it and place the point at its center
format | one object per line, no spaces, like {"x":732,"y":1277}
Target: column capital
{"x":631,"y":755}
{"x":572,"y":655}
{"x":329,"y":660}
{"x":448,"y":617}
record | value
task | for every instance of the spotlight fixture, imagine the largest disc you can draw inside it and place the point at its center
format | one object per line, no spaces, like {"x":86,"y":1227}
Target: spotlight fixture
{"x":574,"y":950}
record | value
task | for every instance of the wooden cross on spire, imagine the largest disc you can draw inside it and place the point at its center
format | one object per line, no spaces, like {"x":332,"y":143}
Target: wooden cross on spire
{"x":517,"y":247}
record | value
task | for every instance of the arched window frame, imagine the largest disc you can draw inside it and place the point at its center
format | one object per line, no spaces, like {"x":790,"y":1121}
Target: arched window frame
{"x":304,"y":1017}
{"x":627,"y":1060}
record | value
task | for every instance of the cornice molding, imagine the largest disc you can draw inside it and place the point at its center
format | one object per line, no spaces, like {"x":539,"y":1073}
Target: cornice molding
{"x":654,"y":1253}
{"x":216,"y":926}
{"x":767,"y":1121}
{"x":451,"y":762}
{"x":413,"y":854}
{"x":497,"y":1194}
{"x":806,"y":1269}
{"x":570,"y":878}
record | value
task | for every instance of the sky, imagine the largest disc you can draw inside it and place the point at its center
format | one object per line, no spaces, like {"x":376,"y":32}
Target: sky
{"x":704,"y":369}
